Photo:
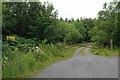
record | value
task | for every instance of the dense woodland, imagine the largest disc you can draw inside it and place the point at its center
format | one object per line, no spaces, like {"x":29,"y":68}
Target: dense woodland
{"x":36,"y":23}
{"x":39,"y":21}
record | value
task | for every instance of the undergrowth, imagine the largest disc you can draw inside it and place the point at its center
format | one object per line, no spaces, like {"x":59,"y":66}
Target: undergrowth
{"x":107,"y":52}
{"x":23,"y":60}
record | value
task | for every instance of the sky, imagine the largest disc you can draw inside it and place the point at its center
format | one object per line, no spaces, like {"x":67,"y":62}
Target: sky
{"x":78,"y":8}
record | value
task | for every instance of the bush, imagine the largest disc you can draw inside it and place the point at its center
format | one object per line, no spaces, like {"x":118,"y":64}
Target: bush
{"x":21,"y":43}
{"x":19,"y":57}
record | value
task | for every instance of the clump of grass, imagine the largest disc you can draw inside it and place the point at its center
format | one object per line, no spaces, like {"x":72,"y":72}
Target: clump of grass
{"x":106,"y":54}
{"x":97,"y":53}
{"x":82,"y":51}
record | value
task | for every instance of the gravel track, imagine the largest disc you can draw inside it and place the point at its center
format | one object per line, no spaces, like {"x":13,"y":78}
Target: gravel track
{"x":87,"y":66}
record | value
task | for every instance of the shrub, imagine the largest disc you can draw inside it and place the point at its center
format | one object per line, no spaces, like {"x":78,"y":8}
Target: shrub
{"x":22,"y":58}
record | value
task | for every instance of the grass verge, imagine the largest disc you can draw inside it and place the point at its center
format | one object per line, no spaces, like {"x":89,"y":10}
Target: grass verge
{"x":20,"y":64}
{"x":103,"y":51}
{"x":68,"y":51}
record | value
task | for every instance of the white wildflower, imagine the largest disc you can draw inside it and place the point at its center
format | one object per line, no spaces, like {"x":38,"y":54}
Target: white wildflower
{"x":36,"y":47}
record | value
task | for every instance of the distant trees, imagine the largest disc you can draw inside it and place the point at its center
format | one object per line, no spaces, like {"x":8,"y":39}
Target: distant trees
{"x":37,"y":20}
{"x":88,"y":25}
{"x":63,"y":31}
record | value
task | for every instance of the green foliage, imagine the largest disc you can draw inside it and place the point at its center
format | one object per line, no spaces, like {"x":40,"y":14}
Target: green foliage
{"x":20,"y":64}
{"x":44,"y":41}
{"x":103,"y":51}
{"x":88,"y":24}
{"x":106,"y":26}
{"x":27,"y":19}
{"x":39,"y":20}
{"x":62,"y":31}
{"x":19,"y":42}
{"x":80,"y":27}
{"x":42,"y":34}
{"x":17,"y":63}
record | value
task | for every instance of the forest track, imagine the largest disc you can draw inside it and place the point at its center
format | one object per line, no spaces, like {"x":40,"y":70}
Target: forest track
{"x":87,"y":66}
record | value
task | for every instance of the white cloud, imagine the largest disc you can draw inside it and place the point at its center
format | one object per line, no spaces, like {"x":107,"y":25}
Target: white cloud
{"x":78,"y":8}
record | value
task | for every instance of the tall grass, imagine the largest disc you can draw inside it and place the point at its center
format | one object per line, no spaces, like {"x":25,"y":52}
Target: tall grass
{"x":17,"y":63}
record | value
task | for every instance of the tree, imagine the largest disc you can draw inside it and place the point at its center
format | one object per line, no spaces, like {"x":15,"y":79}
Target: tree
{"x":27,"y":19}
{"x":66,"y":19}
{"x":106,"y":24}
{"x":88,"y":25}
{"x":61,"y":18}
{"x":80,"y":27}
